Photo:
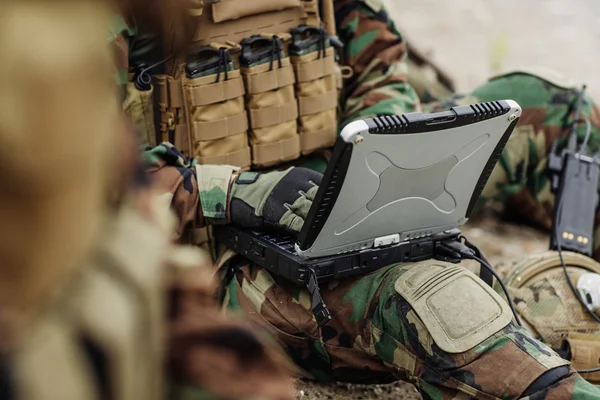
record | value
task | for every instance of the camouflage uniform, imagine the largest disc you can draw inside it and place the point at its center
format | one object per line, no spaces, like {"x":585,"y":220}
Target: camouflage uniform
{"x":379,"y":331}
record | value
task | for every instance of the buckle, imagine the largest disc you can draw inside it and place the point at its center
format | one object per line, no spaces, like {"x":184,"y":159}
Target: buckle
{"x":317,"y":305}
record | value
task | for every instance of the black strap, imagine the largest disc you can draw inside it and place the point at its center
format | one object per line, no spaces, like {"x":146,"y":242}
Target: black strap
{"x":231,"y":266}
{"x":484,"y":274}
{"x":318,"y":307}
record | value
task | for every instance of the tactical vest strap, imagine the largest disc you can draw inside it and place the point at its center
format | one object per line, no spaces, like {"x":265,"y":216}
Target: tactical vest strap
{"x":311,"y":141}
{"x":317,"y":68}
{"x":172,"y":127}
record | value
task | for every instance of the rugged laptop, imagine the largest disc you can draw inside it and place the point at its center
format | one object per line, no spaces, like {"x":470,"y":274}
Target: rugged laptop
{"x":395,"y":187}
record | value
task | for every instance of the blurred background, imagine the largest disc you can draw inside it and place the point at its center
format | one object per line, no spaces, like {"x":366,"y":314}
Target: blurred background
{"x":473,"y":39}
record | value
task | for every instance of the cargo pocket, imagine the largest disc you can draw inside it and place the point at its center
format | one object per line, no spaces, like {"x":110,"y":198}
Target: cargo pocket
{"x":317,"y":94}
{"x":217,"y":118}
{"x":272,"y":111}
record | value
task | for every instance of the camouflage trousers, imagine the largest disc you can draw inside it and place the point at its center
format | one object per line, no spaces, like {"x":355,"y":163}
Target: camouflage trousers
{"x":379,"y":329}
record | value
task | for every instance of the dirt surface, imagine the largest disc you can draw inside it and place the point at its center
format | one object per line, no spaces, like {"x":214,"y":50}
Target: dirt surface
{"x":471,"y":41}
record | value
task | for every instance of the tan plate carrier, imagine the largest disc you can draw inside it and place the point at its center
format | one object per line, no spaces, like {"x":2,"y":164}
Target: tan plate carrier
{"x":260,"y":116}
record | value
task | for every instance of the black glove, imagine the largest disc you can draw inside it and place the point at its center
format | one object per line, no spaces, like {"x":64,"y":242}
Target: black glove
{"x":277,"y":200}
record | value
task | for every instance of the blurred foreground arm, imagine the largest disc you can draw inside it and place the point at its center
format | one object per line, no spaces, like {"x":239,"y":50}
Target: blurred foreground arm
{"x":217,"y":194}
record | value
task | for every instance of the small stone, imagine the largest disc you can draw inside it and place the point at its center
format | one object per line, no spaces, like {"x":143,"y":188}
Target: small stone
{"x":302,"y":393}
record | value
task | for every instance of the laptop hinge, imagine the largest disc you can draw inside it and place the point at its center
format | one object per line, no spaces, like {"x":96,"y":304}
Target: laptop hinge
{"x":386,"y":240}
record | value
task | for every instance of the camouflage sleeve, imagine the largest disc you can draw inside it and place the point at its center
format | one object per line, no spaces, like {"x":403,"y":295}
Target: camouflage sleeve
{"x":376,"y":52}
{"x":173,"y":176}
{"x":198,"y":194}
{"x":211,"y":355}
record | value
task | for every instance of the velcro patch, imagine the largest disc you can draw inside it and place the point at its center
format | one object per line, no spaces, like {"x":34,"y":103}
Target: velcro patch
{"x":246,"y":178}
{"x":458,"y":309}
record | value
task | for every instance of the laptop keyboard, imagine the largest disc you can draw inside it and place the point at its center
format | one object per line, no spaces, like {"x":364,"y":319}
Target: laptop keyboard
{"x":285,"y":243}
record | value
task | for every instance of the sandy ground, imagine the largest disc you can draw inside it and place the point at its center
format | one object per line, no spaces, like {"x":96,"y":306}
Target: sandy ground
{"x":473,"y":40}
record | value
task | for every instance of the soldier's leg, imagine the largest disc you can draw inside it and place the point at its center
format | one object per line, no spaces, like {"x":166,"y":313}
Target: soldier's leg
{"x":433,"y":324}
{"x":519,"y":178}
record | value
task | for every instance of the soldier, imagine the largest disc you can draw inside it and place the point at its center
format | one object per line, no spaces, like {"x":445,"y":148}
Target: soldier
{"x":95,"y":298}
{"x":375,"y":333}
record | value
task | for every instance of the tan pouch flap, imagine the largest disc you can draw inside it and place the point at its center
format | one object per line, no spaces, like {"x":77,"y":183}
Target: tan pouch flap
{"x":313,"y":55}
{"x":216,"y":92}
{"x":274,"y":153}
{"x":212,"y":130}
{"x":240,"y":158}
{"x":311,"y":141}
{"x":226,"y":10}
{"x":317,"y":104}
{"x":315,"y":69}
{"x":264,"y":117}
{"x":269,"y":80}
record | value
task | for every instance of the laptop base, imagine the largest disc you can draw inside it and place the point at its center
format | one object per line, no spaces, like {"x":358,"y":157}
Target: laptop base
{"x":275,"y":253}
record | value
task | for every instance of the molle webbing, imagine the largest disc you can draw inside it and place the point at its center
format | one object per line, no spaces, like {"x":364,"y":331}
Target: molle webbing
{"x":261,"y":112}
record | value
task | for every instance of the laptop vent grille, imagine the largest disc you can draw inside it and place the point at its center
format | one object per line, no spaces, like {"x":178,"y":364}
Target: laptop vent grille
{"x":330,"y":188}
{"x":486,"y":110}
{"x":390,"y":124}
{"x":328,"y":197}
{"x":417,"y":122}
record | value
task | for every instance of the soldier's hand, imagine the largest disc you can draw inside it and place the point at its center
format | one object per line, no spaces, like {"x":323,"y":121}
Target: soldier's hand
{"x":279,"y":200}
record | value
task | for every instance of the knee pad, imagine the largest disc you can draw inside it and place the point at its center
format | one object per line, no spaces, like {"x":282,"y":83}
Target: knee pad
{"x":457,"y":308}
